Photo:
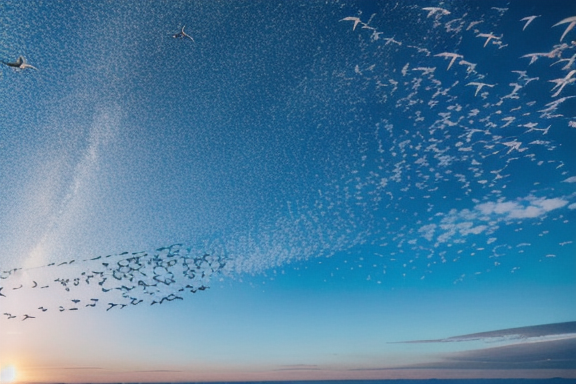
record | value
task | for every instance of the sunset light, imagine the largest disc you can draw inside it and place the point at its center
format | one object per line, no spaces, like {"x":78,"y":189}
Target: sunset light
{"x":8,"y":374}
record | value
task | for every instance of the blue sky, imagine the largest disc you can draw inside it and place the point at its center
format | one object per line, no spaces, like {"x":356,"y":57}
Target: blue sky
{"x":352,"y":185}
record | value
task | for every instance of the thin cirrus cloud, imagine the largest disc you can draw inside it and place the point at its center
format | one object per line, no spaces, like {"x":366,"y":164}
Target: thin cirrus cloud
{"x":546,"y":346}
{"x":552,"y":354}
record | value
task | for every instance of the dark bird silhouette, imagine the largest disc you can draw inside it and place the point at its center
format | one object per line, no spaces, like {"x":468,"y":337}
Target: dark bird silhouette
{"x":75,"y":301}
{"x":135,"y":301}
{"x":111,"y":305}
{"x":28,"y":317}
{"x":35,"y":284}
{"x":9,"y":315}
{"x":1,"y":294}
{"x":42,"y":309}
{"x":20,"y":63}
{"x":18,"y":287}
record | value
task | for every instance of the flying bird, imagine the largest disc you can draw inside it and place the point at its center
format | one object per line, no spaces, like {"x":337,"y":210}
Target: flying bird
{"x":182,"y":35}
{"x":20,"y":64}
{"x":528,"y":20}
{"x":569,"y":64}
{"x":479,"y":86}
{"x":488,"y":36}
{"x":571,"y":20}
{"x":28,"y":317}
{"x":356,"y":20}
{"x":454,"y":56}
{"x":563,"y":82}
{"x":435,"y":10}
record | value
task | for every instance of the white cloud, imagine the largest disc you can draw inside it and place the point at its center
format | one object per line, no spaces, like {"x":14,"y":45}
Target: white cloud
{"x":571,"y":179}
{"x":485,"y":217}
{"x":550,"y":204}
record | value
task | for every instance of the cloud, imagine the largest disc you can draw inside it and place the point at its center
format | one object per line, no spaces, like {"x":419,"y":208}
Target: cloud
{"x":533,"y":331}
{"x":571,"y":179}
{"x":486,"y":217}
{"x":298,"y":367}
{"x":546,"y":346}
{"x":554,"y":354}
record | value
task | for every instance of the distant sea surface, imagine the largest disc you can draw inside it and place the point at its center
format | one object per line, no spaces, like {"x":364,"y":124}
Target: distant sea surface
{"x":399,"y":381}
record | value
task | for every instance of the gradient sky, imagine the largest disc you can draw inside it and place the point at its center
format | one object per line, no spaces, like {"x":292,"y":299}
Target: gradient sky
{"x":354,"y":187}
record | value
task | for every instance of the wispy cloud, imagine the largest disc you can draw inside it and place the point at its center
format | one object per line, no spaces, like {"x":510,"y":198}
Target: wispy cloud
{"x":487,"y":217}
{"x":566,"y":330}
{"x":298,"y":367}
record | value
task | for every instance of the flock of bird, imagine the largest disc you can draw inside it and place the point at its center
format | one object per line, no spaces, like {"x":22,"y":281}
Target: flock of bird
{"x":126,"y":279}
{"x":434,"y":144}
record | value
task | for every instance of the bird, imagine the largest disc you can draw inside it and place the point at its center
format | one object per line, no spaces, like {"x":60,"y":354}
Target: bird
{"x":182,"y":35}
{"x":488,"y":36}
{"x":28,"y":317}
{"x":356,"y":21}
{"x":562,"y":82}
{"x":9,"y":315}
{"x":454,"y":56}
{"x":42,"y":309}
{"x":1,"y":294}
{"x":528,"y":20}
{"x":20,"y":64}
{"x":433,"y":10}
{"x":479,"y":86}
{"x":534,"y":56}
{"x":569,"y":64}
{"x":571,"y":20}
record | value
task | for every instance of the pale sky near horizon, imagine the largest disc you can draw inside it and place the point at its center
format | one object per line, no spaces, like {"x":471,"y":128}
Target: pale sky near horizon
{"x":340,"y":177}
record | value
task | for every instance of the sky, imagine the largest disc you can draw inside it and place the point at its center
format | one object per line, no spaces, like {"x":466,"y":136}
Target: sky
{"x":290,"y":191}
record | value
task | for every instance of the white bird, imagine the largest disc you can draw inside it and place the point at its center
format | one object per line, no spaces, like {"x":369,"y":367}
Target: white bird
{"x":454,"y":56}
{"x":534,"y":56}
{"x":479,"y":86}
{"x":433,"y":10}
{"x":571,"y":20}
{"x":569,"y":64}
{"x":182,"y":35}
{"x":489,"y":36}
{"x":561,"y":83}
{"x":20,"y":64}
{"x":356,"y":21}
{"x":528,"y":20}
